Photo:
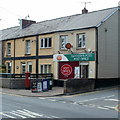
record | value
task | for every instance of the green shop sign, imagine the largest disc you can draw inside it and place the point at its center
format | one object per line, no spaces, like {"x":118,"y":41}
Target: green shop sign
{"x":75,"y":57}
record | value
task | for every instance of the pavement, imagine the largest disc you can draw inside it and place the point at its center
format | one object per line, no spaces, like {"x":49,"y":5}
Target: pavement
{"x":56,"y":91}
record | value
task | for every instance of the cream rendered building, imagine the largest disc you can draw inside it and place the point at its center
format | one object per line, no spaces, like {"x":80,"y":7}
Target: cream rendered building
{"x":94,"y":38}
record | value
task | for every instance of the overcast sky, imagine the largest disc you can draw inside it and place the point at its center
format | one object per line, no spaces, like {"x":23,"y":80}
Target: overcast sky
{"x":40,"y":10}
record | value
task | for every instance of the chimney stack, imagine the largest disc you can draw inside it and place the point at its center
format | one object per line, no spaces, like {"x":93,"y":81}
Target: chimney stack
{"x":84,"y":11}
{"x":25,"y":23}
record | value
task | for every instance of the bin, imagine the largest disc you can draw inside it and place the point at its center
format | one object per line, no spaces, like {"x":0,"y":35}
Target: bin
{"x":45,"y":84}
{"x":36,"y":85}
{"x":50,"y":83}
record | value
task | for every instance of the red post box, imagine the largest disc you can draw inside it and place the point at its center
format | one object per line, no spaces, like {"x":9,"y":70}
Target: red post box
{"x":27,"y":80}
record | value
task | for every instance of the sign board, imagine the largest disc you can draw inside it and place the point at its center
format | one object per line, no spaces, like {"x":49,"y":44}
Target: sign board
{"x":66,"y":69}
{"x":74,"y":57}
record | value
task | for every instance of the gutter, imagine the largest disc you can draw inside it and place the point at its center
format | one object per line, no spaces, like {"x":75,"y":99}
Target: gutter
{"x":106,"y":18}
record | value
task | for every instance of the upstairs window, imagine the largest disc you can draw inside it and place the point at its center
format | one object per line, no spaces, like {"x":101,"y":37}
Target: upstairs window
{"x":8,"y":48}
{"x":45,"y":69}
{"x":27,"y":46}
{"x":63,"y":41}
{"x":46,"y":43}
{"x":81,"y":40}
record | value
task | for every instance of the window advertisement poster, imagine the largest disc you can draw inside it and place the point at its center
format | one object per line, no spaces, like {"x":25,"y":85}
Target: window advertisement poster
{"x":45,"y":85}
{"x":39,"y":86}
{"x":77,"y":72}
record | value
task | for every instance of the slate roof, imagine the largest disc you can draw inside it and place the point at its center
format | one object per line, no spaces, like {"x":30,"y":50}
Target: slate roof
{"x":74,"y":22}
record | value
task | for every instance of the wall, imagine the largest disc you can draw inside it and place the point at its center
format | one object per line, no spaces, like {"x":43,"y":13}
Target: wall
{"x":0,"y":52}
{"x":78,"y":85}
{"x":20,"y":46}
{"x":119,"y":43}
{"x":90,"y":44}
{"x":12,"y":83}
{"x":108,"y":48}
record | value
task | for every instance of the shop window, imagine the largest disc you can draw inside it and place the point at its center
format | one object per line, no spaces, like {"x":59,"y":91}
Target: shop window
{"x":46,"y":43}
{"x":81,"y":40}
{"x":45,"y":69}
{"x":63,"y":41}
{"x":27,"y":46}
{"x":8,"y":48}
{"x":9,"y":66}
{"x":29,"y":67}
{"x":23,"y":68}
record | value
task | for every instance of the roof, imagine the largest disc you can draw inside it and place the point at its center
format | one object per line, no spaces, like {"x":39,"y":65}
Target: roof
{"x":74,"y":22}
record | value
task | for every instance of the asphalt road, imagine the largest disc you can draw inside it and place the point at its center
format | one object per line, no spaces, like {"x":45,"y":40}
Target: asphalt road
{"x":97,"y":104}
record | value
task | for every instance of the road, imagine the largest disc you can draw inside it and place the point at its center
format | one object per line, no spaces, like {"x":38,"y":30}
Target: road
{"x":97,"y":104}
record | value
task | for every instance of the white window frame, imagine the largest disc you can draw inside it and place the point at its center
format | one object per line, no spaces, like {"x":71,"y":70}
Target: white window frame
{"x":81,"y":40}
{"x":28,"y":66}
{"x":45,"y":42}
{"x":63,"y":41}
{"x":8,"y":48}
{"x":46,"y":68}
{"x":28,"y":47}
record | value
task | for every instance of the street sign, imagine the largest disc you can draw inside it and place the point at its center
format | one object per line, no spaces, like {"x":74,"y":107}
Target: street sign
{"x":74,"y":57}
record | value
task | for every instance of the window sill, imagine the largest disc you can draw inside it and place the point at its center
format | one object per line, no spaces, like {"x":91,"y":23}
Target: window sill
{"x":46,"y":48}
{"x":27,"y":54}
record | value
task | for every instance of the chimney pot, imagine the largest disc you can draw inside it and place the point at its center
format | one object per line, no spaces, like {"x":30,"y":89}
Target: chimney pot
{"x":84,"y":11}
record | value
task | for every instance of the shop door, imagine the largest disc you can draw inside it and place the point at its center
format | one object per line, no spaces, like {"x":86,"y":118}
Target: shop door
{"x":84,"y":71}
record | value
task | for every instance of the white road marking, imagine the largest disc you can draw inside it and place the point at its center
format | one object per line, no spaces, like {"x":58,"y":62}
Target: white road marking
{"x":7,"y":115}
{"x":102,"y":108}
{"x":25,"y":113}
{"x":115,"y":100}
{"x":17,"y":114}
{"x":42,"y":98}
{"x":52,"y":100}
{"x":33,"y":113}
{"x":111,"y":107}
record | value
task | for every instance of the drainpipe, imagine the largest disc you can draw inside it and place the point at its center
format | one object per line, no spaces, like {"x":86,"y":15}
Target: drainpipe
{"x":14,"y":59}
{"x":96,"y":76}
{"x":37,"y":62}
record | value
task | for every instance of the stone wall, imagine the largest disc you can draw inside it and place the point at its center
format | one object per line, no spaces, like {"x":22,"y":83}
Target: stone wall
{"x":78,"y":85}
{"x":13,"y":83}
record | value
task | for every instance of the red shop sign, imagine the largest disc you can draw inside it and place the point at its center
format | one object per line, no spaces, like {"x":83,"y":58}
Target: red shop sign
{"x":66,"y":69}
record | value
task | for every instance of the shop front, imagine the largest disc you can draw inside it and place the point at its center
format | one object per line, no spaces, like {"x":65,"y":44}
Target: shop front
{"x":75,"y":65}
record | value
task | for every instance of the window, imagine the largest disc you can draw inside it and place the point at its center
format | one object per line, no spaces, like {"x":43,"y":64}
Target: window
{"x":46,"y":43}
{"x":9,"y":67}
{"x":8,"y":48}
{"x":80,"y":40}
{"x":23,"y":68}
{"x":29,"y":67}
{"x":28,"y":47}
{"x":63,"y":41}
{"x":45,"y":69}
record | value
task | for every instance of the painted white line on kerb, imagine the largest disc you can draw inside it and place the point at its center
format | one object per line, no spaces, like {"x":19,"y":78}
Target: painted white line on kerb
{"x":7,"y":115}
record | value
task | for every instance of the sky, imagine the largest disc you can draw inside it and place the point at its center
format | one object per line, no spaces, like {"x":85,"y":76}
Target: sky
{"x":40,"y":10}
